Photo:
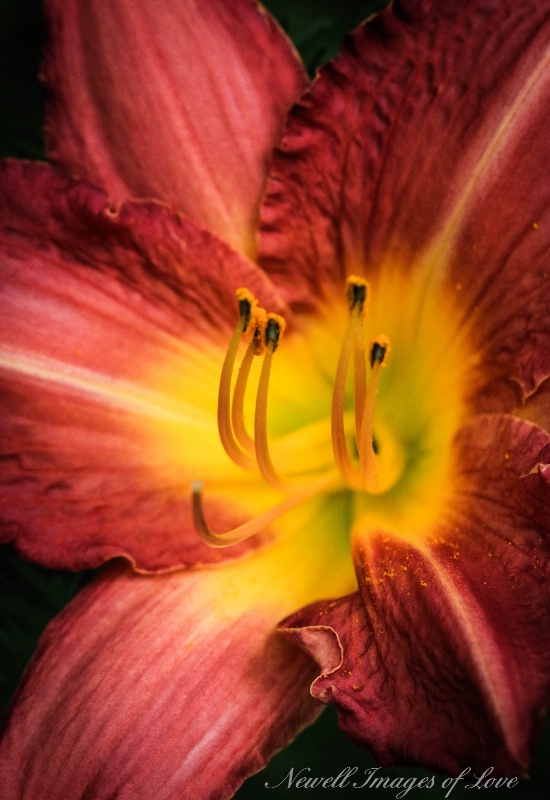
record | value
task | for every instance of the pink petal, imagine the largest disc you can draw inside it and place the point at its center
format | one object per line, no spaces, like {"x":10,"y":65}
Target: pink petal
{"x":168,"y":687}
{"x":424,"y":146}
{"x":442,"y":658}
{"x":110,"y":328}
{"x":178,"y":101}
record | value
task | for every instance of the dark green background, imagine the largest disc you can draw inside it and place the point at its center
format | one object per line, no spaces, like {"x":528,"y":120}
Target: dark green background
{"x":30,"y":595}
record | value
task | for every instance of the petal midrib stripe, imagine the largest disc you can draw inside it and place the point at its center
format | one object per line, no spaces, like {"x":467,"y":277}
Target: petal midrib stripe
{"x":116,"y":393}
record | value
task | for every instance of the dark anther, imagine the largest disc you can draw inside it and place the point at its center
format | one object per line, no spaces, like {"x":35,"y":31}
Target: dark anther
{"x":377,"y":353}
{"x":357,"y":294}
{"x":245,"y":310}
{"x":272,"y":332}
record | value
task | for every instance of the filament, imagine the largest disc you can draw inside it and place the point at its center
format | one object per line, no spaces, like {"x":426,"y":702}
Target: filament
{"x":357,"y":292}
{"x":360,"y":375}
{"x":237,"y":409}
{"x":367,"y":455}
{"x":230,"y":445}
{"x":259,"y":523}
{"x":274,"y":329}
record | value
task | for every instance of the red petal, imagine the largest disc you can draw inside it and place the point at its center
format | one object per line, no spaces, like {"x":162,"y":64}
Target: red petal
{"x":442,"y":659}
{"x":537,"y":407}
{"x":178,"y":101}
{"x":110,"y":330}
{"x":422,"y":146}
{"x":161,"y":687}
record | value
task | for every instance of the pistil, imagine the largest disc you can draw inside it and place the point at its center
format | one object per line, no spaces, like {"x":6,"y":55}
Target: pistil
{"x":259,"y":523}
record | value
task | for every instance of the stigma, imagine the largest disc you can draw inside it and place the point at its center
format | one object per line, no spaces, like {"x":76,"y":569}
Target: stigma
{"x":260,"y":334}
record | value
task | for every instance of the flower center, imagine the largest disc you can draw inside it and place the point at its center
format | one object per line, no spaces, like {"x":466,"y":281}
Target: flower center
{"x":362,"y":463}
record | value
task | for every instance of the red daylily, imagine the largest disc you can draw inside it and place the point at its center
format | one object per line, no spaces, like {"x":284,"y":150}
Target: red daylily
{"x":416,"y":160}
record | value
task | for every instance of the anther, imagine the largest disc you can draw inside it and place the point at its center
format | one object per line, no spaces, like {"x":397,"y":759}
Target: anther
{"x":247,"y":303}
{"x":260,"y":324}
{"x":356,"y":292}
{"x":274,"y":330}
{"x":378,"y":351}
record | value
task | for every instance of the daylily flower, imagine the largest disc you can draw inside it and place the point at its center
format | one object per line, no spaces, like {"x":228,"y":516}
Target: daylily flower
{"x":383,"y":483}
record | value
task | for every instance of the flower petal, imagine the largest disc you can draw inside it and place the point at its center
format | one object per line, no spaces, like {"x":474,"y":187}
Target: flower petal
{"x":178,"y":101}
{"x":442,"y":658}
{"x":421,"y":147}
{"x":537,"y":406}
{"x":110,"y":354}
{"x":175,"y":685}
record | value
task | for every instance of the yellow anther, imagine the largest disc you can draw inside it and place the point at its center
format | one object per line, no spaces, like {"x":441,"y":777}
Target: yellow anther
{"x":260,"y":324}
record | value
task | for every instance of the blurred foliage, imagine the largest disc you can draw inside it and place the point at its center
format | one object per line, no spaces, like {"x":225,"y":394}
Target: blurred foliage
{"x":22,"y":34}
{"x":317,"y":27}
{"x":30,"y":595}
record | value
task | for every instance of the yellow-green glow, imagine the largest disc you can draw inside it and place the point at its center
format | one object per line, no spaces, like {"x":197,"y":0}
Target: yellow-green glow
{"x":419,"y":407}
{"x":309,"y":561}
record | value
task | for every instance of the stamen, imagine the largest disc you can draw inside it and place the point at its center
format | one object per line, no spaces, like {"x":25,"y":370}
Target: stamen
{"x":360,"y":377}
{"x":367,"y":455}
{"x":247,"y":304}
{"x":356,"y":291}
{"x":273,"y":332}
{"x":255,"y":347}
{"x":259,"y":523}
{"x":237,"y":408}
